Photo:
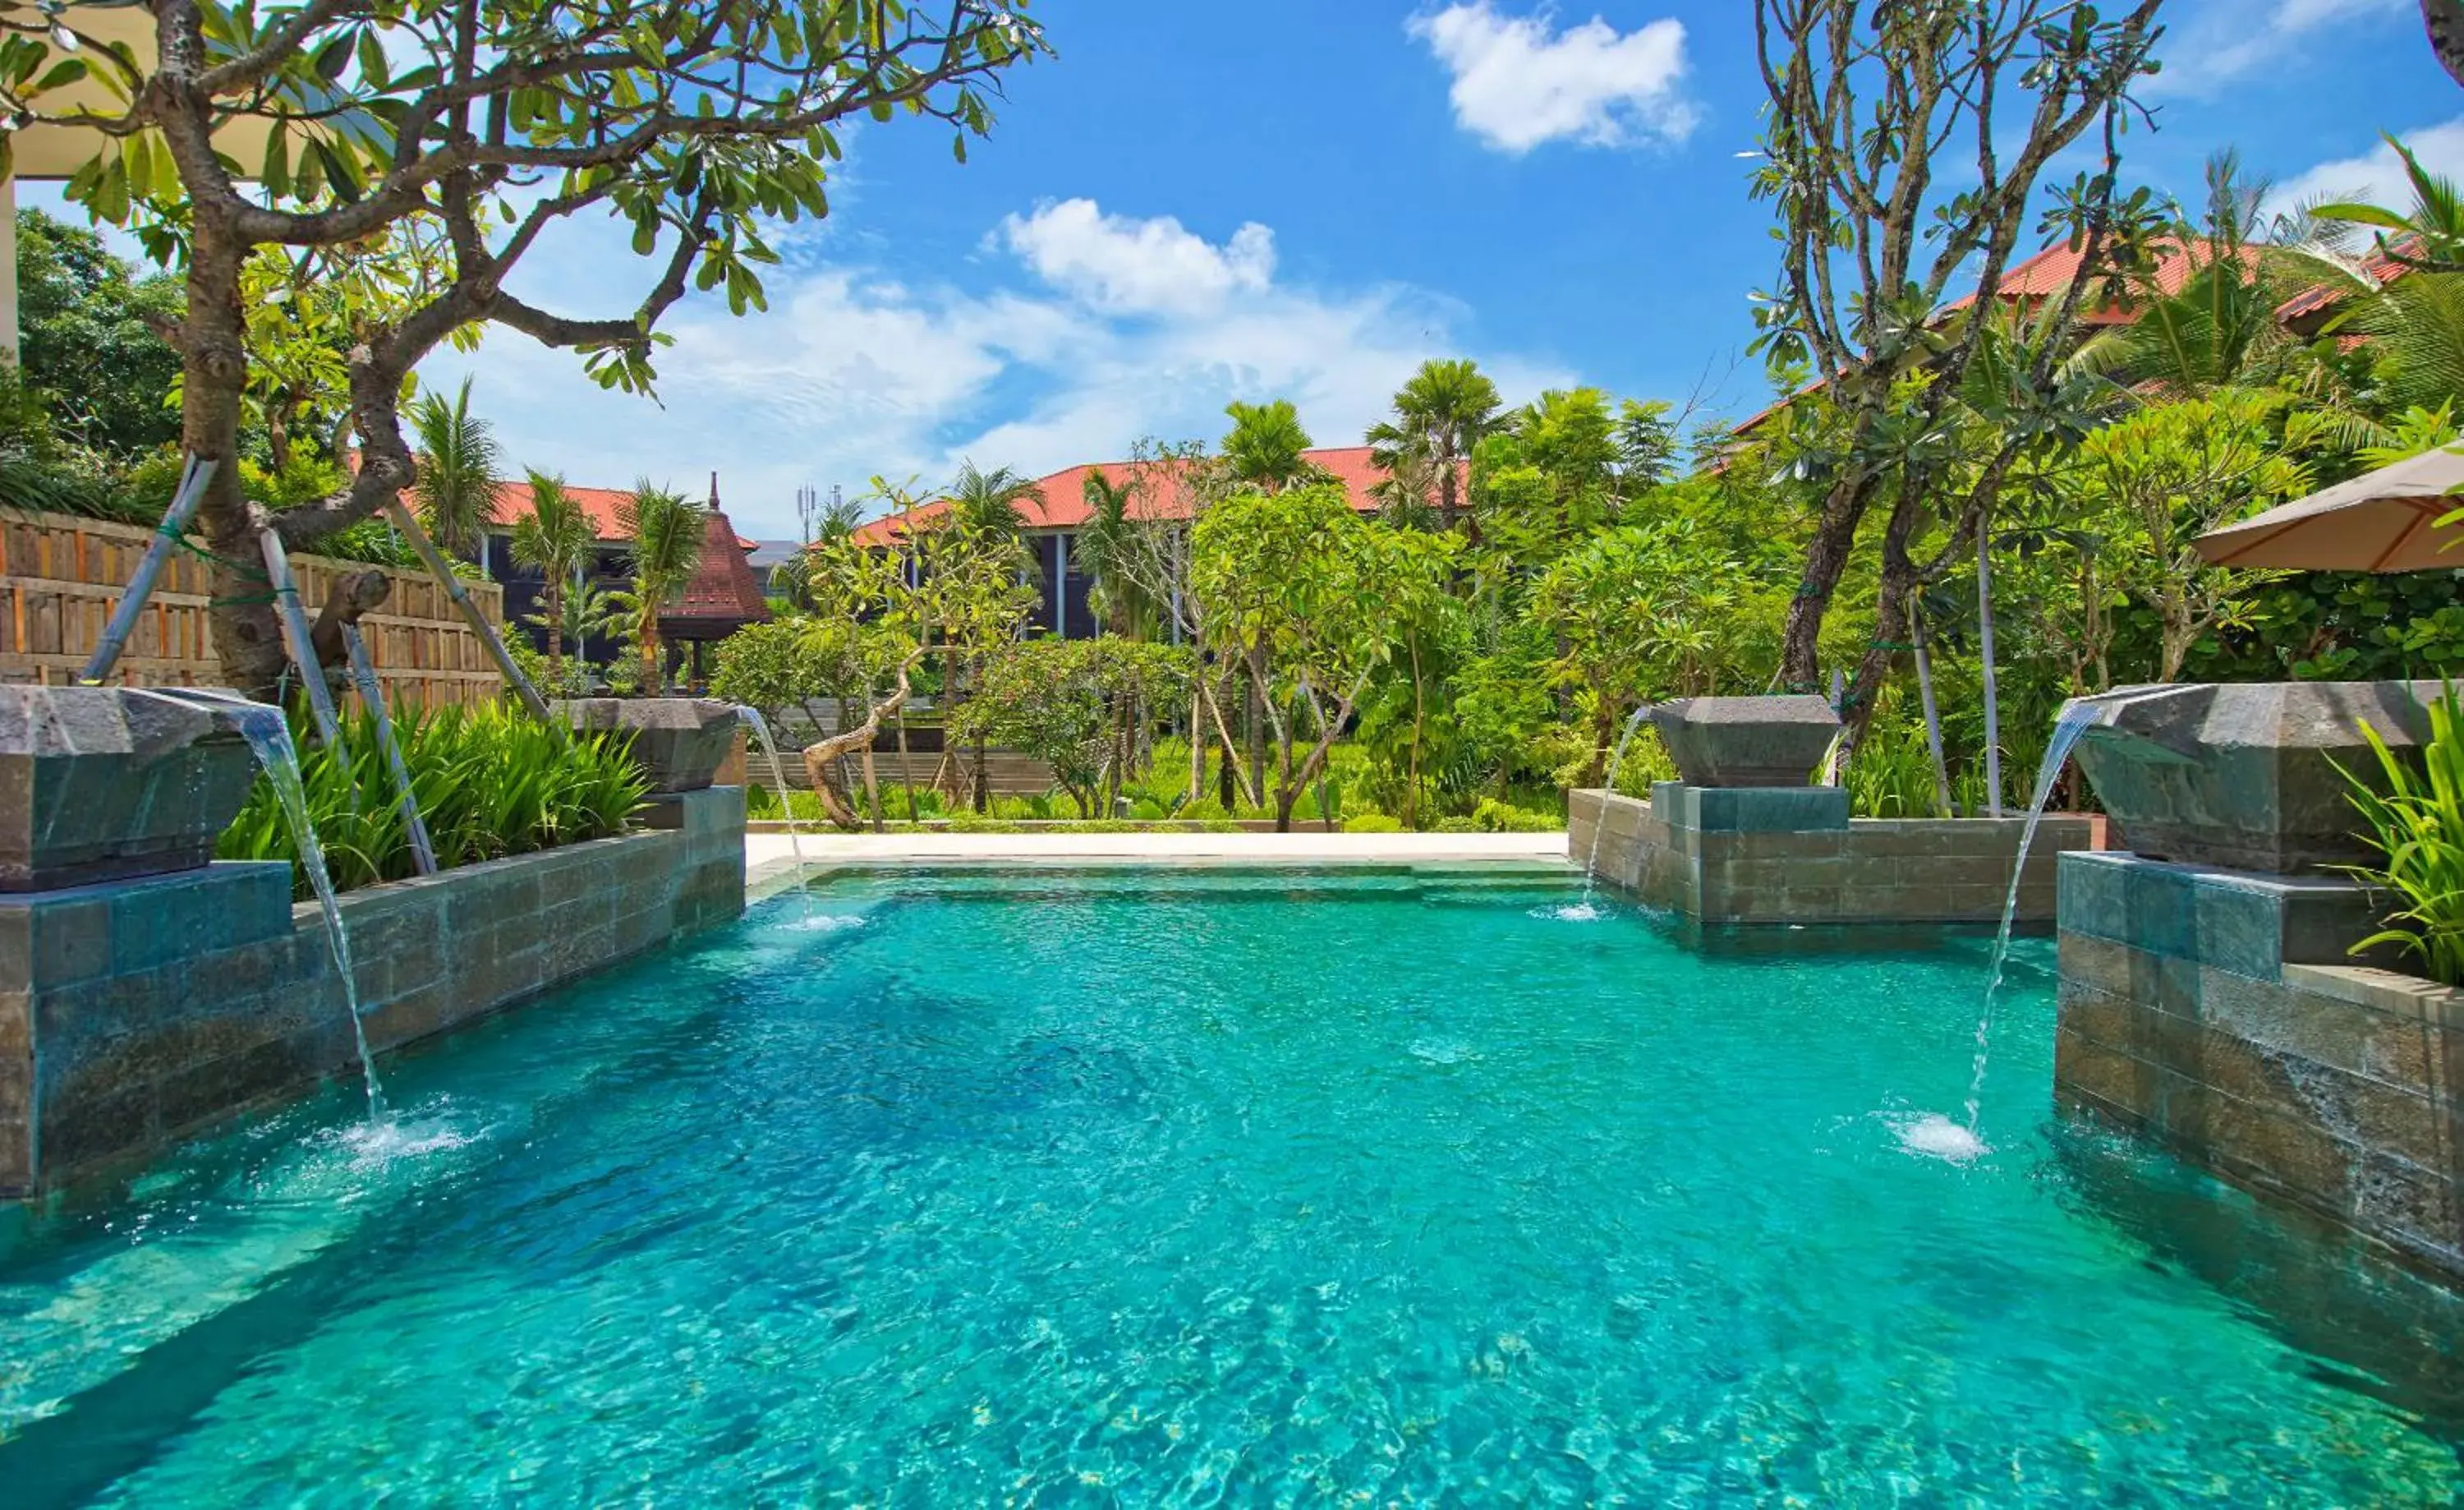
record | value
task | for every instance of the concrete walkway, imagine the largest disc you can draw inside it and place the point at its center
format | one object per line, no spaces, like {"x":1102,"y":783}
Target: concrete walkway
{"x":765,"y":849}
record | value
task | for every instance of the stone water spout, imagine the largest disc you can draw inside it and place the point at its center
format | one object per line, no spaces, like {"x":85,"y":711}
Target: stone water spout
{"x":101,"y":783}
{"x":2244,"y":776}
{"x":1745,"y":741}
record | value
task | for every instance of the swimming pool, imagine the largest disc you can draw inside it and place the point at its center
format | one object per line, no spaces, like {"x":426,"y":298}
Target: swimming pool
{"x":1177,"y":1186}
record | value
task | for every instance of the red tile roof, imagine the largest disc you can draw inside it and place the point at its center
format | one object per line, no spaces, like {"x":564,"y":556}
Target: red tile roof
{"x":722,"y":592}
{"x":2050,"y":272}
{"x":1063,"y":506}
{"x":602,"y":505}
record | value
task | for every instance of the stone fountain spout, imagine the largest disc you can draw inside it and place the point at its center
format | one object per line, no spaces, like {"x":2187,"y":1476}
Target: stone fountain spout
{"x":2246,"y":776}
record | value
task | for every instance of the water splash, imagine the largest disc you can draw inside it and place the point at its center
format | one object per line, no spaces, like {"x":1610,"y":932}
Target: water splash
{"x":1584,"y":911}
{"x":1573,"y":912}
{"x":753,"y":719}
{"x":268,"y":735}
{"x":824,"y":923}
{"x":1935,"y":1136}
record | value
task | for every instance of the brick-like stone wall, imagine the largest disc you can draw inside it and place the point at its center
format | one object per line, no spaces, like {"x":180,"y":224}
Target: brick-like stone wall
{"x":1793,"y":855}
{"x":133,"y":1014}
{"x":2219,"y":1012}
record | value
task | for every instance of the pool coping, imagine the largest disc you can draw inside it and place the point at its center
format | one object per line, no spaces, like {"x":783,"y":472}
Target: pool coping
{"x":770,"y":864}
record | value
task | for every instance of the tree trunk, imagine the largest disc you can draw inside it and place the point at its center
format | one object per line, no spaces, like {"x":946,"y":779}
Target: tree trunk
{"x":1992,"y":689}
{"x":214,"y":366}
{"x":552,"y":597}
{"x":1257,"y":737}
{"x":2445,"y":19}
{"x":906,"y":772}
{"x":1197,"y":739}
{"x":1826,"y":560}
{"x":821,"y":761}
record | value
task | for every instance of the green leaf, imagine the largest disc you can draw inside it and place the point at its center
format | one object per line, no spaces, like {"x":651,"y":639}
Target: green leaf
{"x":67,"y":70}
{"x":332,"y":56}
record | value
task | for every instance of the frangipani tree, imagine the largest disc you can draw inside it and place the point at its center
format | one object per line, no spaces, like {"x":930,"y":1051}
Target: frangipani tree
{"x":1294,"y":585}
{"x":492,"y":122}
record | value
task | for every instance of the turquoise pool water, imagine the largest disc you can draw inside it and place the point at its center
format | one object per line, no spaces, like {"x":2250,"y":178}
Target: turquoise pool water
{"x":1155,"y":1188}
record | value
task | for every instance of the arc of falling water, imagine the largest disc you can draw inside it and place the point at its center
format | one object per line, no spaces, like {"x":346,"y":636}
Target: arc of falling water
{"x":2077,"y":716}
{"x":1600,"y":826}
{"x":761,"y":726}
{"x":268,"y":735}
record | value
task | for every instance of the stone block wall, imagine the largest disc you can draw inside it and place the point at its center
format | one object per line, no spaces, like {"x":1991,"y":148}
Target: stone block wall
{"x":2220,"y":1014}
{"x":132,"y":1013}
{"x":1793,"y":855}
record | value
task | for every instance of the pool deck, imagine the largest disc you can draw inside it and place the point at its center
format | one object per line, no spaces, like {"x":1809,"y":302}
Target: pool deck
{"x":768,"y":856}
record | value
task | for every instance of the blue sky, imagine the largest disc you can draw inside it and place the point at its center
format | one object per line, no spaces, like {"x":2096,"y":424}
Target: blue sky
{"x":1305,"y":202}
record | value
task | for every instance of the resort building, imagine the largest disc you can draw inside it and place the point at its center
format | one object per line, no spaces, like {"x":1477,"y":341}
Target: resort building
{"x":1058,"y":511}
{"x":611,"y":570}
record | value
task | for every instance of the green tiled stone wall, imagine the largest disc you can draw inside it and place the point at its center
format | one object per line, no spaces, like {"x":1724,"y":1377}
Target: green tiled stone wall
{"x":2220,"y":1014}
{"x":133,"y":1013}
{"x":1792,"y":855}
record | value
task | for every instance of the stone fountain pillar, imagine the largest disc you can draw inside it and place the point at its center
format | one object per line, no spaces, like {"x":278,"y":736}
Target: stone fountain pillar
{"x":2210,"y":999}
{"x":681,"y":745}
{"x":1742,"y":839}
{"x":111,"y":801}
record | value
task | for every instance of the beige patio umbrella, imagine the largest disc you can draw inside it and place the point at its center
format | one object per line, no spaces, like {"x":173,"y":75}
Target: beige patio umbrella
{"x":2386,"y":520}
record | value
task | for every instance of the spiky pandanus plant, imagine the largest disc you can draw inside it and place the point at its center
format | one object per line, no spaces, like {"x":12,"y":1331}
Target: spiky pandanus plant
{"x":559,"y":539}
{"x":666,"y":531}
{"x":457,"y":487}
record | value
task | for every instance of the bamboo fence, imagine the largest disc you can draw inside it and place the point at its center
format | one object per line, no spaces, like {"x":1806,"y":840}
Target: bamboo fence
{"x":61,"y":576}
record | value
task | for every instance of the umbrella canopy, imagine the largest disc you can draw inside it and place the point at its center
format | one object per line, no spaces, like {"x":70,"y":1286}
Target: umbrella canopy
{"x":2383,"y":521}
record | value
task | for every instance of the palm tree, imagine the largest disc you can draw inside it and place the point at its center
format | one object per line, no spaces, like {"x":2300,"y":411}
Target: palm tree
{"x":2429,"y":238}
{"x":558,"y":538}
{"x":2407,"y":300}
{"x":1266,"y":449}
{"x":1440,"y":416}
{"x":459,"y":459}
{"x":993,"y":503}
{"x":2221,"y":327}
{"x":666,"y":531}
{"x":588,"y":611}
{"x":1106,"y":545}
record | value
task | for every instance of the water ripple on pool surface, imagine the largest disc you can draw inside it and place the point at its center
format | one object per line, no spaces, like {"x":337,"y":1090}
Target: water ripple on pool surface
{"x":1166,"y":1188}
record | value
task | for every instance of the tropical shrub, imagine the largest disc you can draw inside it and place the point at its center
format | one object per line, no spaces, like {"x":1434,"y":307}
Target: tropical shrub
{"x":491,"y":782}
{"x":1892,"y":777}
{"x":1493,"y":816}
{"x":2414,"y":819}
{"x":1372,"y":823}
{"x":1080,"y":706}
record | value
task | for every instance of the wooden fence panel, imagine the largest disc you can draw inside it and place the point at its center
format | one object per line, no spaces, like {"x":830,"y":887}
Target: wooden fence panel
{"x":60,"y":577}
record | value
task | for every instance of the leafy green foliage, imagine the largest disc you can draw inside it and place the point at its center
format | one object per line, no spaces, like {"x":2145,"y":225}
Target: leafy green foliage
{"x":459,"y":462}
{"x":86,"y":346}
{"x":2415,"y":818}
{"x":1078,"y":706}
{"x":1267,"y":447}
{"x":491,"y":782}
{"x":664,"y":533}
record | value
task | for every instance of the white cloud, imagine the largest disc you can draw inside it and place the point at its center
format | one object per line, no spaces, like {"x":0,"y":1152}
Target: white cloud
{"x":1138,"y":266}
{"x":2232,"y":38}
{"x":2377,"y":176}
{"x":1519,"y":81}
{"x":1102,"y":330}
